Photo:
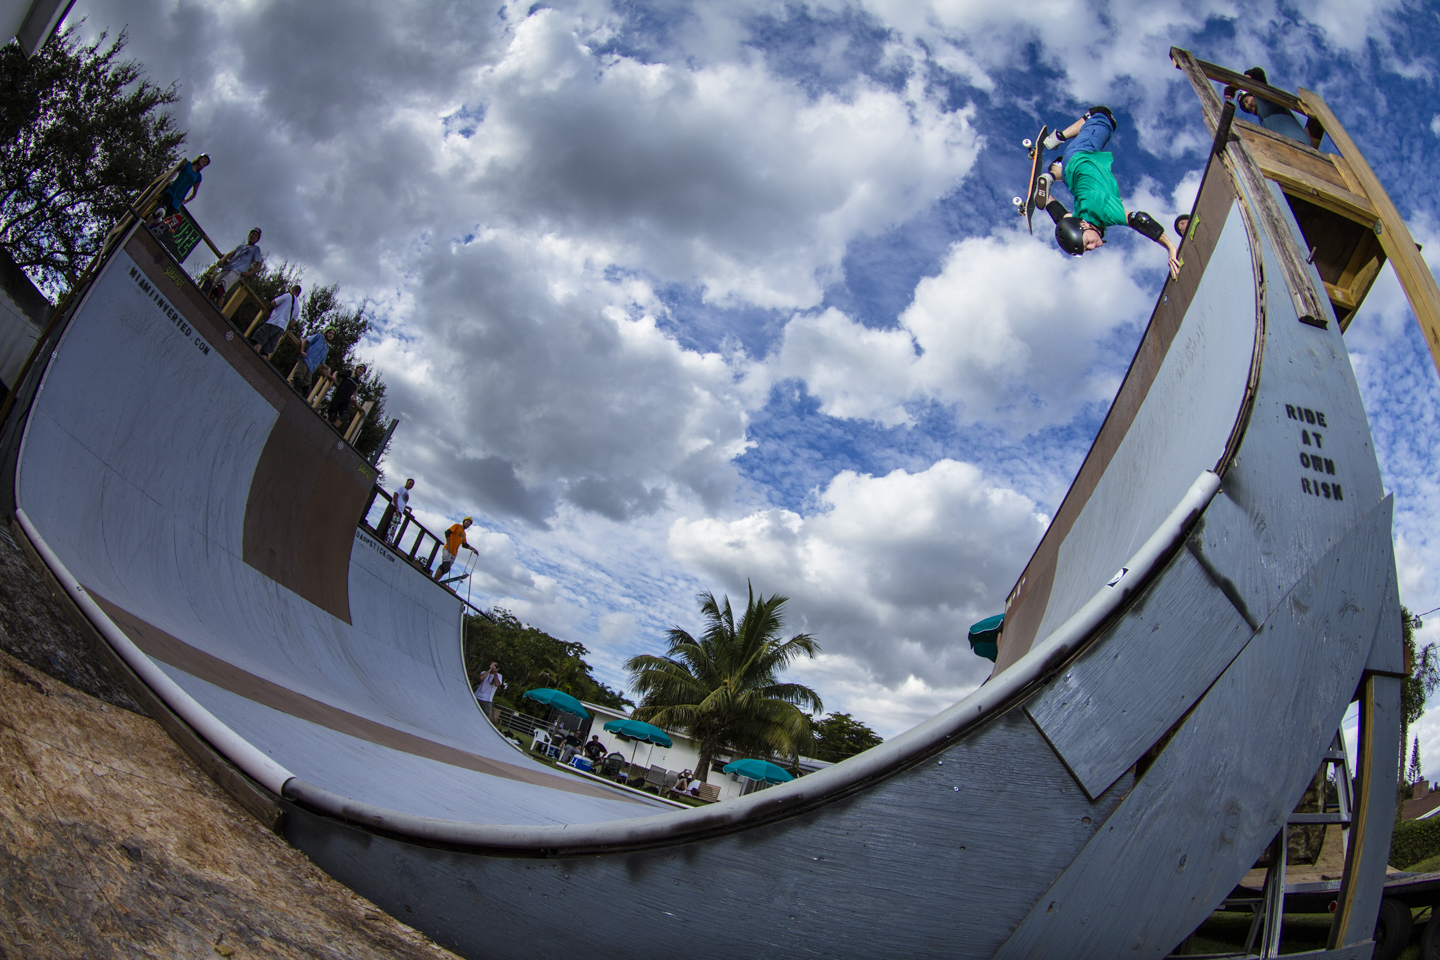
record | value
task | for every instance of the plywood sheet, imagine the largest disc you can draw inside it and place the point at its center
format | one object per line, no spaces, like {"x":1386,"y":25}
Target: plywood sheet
{"x":1120,"y":697}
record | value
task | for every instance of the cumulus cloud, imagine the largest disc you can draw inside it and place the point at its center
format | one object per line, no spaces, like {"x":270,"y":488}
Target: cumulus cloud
{"x":1119,"y":54}
{"x":508,"y":197}
{"x":888,"y":573}
{"x":722,"y":175}
{"x":1011,"y":332}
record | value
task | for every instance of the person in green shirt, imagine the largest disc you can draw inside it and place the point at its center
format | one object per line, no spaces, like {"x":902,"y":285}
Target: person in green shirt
{"x":1084,"y":166}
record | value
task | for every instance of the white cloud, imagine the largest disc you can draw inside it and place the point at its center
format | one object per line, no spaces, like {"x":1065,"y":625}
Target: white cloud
{"x":1118,"y":54}
{"x":888,"y":574}
{"x":1011,"y":331}
{"x":720,"y":175}
{"x":1182,"y":198}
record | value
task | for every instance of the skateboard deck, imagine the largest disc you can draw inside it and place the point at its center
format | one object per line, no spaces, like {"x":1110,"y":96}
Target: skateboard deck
{"x":1025,"y":206}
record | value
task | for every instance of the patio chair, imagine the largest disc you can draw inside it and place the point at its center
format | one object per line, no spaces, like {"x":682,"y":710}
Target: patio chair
{"x":670,"y":779}
{"x":610,"y":766}
{"x":709,"y":793}
{"x":655,"y":777}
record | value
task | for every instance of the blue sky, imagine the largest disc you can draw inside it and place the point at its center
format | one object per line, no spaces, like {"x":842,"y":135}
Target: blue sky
{"x":675,"y":296}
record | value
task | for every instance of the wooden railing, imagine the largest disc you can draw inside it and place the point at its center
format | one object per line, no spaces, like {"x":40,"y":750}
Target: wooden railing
{"x":422,"y":542}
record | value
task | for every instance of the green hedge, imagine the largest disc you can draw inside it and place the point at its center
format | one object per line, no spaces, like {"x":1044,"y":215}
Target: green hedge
{"x":1413,"y":841}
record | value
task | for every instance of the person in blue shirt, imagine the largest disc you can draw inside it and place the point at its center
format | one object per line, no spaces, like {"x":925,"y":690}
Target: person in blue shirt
{"x":1273,"y":117}
{"x":182,"y":188}
{"x":315,"y":350}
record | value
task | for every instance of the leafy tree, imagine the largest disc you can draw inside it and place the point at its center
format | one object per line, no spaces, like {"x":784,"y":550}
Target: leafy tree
{"x":530,"y":658}
{"x":81,"y":133}
{"x":1424,"y":678}
{"x":840,"y":735}
{"x":724,"y":689}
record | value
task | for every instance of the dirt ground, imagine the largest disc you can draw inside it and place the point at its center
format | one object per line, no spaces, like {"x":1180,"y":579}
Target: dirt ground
{"x":113,"y":844}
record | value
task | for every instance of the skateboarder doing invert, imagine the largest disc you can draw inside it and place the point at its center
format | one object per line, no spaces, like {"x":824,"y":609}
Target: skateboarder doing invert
{"x":1085,"y":167}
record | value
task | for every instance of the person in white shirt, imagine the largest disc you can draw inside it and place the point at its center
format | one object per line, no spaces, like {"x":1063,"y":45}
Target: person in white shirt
{"x":490,"y":681}
{"x":399,"y":507}
{"x":284,"y":310}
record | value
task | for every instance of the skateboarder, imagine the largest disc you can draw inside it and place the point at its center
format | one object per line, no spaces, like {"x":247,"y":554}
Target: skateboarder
{"x":1085,"y":168}
{"x":454,"y":541}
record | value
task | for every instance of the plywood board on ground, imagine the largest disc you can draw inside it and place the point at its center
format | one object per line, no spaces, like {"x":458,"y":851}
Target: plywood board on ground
{"x":112,"y":844}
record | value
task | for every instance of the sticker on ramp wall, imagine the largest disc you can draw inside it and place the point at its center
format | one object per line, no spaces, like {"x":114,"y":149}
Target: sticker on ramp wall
{"x":1118,"y":577}
{"x":170,"y":312}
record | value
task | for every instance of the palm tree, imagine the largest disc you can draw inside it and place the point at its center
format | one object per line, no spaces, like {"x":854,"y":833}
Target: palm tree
{"x":723,"y":689}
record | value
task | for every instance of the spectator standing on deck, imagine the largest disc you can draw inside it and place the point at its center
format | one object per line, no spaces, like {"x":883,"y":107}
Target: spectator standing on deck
{"x":1272,"y":116}
{"x":284,"y":310}
{"x":315,"y":350}
{"x":490,"y":683}
{"x":454,"y":541}
{"x":245,"y":260}
{"x":399,"y":508}
{"x":346,"y":384}
{"x":182,"y":189}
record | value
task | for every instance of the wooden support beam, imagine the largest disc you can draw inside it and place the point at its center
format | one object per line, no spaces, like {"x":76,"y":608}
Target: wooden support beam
{"x":1307,"y":173}
{"x":359,"y":420}
{"x":1230,"y":78}
{"x":1209,"y":100}
{"x":1340,"y":296}
{"x":1308,"y":305}
{"x":1415,"y":276}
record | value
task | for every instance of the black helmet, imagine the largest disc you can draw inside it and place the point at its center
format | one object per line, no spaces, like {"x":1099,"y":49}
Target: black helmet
{"x":1070,"y":234}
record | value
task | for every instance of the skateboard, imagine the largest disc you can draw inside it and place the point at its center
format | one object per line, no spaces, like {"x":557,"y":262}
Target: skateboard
{"x":1027,"y":205}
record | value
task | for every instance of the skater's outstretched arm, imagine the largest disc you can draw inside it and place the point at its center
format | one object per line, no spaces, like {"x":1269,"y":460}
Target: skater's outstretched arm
{"x":1142,"y":223}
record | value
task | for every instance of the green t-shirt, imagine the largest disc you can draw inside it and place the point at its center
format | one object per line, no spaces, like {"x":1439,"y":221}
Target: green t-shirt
{"x":1097,"y":195}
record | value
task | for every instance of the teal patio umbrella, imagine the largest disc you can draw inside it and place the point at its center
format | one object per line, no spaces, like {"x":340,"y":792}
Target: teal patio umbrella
{"x":560,"y":700}
{"x":985,"y":636}
{"x":640,"y":732}
{"x":759,"y":770}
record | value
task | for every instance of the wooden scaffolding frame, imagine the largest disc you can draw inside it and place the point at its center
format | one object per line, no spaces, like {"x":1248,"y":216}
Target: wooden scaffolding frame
{"x":1350,"y":226}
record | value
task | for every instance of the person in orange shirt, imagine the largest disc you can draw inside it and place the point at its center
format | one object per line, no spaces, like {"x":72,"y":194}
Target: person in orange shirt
{"x":454,"y":541}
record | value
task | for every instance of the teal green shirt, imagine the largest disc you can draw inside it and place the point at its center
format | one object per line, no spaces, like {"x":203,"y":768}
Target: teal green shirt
{"x":1097,"y":195}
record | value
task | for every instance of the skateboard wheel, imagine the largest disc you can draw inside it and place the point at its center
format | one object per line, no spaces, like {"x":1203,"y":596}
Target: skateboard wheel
{"x":1027,"y":144}
{"x":1018,"y":202}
